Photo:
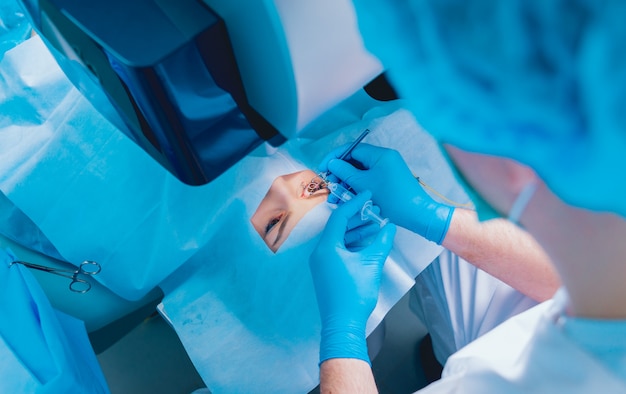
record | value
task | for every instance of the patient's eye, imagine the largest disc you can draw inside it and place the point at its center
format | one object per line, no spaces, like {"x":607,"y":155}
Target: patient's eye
{"x":272,"y":223}
{"x":316,"y":184}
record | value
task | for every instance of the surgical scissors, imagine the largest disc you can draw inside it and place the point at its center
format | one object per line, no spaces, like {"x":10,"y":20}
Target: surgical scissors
{"x":77,"y":284}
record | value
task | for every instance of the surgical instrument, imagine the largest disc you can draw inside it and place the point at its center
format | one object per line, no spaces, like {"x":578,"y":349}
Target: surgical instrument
{"x":343,"y":194}
{"x":324,"y":175}
{"x":77,"y":284}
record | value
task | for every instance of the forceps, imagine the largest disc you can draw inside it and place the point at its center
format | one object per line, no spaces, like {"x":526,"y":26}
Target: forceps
{"x":77,"y":284}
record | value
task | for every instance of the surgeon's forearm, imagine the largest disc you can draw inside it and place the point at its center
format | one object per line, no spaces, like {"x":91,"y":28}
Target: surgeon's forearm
{"x":346,"y":375}
{"x":505,"y":251}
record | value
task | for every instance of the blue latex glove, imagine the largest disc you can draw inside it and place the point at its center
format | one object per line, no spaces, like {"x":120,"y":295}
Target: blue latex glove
{"x":395,"y":189}
{"x":347,"y":281}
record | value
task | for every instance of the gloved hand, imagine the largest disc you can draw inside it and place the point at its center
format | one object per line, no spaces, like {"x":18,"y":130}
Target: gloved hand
{"x":395,"y":190}
{"x":347,"y":281}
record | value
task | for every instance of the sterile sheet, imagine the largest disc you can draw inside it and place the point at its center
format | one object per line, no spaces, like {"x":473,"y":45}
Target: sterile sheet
{"x":87,"y":187}
{"x":248,"y":317}
{"x":41,"y":350}
{"x":87,"y":192}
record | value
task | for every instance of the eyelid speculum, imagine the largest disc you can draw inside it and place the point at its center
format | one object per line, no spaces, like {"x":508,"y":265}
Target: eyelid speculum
{"x":316,"y":184}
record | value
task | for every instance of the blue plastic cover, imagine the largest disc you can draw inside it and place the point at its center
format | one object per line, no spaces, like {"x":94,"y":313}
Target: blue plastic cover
{"x":14,"y":27}
{"x":168,"y":69}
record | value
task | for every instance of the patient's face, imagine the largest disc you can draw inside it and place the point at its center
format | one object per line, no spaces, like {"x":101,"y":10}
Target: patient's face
{"x":289,"y":198}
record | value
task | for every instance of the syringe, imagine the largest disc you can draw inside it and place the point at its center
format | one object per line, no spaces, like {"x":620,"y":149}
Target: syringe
{"x":343,"y":194}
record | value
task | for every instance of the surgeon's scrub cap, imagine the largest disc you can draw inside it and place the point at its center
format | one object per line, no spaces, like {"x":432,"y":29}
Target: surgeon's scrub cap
{"x":542,"y":82}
